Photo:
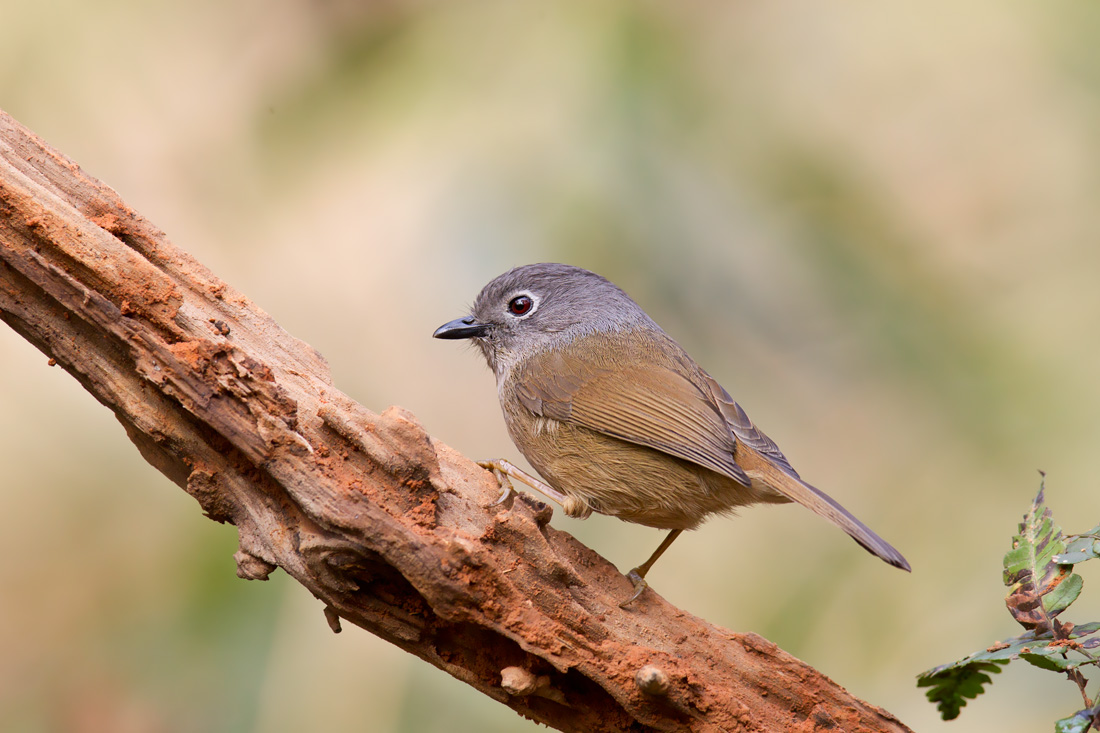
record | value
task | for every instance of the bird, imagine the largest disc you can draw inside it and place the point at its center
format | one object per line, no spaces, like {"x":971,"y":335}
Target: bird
{"x":616,"y":417}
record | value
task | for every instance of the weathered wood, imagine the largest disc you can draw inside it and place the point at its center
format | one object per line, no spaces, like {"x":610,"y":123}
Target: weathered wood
{"x":390,"y":528}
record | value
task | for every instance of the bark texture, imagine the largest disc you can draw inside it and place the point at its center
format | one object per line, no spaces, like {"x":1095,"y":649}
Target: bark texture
{"x":388,"y":527}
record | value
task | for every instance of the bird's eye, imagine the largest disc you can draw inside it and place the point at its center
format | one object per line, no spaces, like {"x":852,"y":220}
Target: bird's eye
{"x":520,"y":305}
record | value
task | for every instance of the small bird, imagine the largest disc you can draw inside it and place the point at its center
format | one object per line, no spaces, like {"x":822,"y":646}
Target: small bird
{"x":618,"y":419}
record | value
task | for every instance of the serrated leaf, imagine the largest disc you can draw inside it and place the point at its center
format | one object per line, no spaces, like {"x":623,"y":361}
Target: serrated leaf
{"x":954,"y":684}
{"x":1039,"y":587}
{"x":1039,"y":573}
{"x":1029,"y":642}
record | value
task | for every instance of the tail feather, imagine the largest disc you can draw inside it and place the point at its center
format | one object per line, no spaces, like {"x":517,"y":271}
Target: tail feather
{"x":758,"y":467}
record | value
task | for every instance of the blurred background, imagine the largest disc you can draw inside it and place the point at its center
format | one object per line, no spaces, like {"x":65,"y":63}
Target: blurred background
{"x":875,"y":224}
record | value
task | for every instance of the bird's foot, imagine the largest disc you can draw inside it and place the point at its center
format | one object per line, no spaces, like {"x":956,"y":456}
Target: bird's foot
{"x":640,"y":585}
{"x":506,"y":488}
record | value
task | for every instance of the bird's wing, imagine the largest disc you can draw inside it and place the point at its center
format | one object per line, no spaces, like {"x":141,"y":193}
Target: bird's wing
{"x":680,"y":411}
{"x":649,"y":403}
{"x":743,"y":428}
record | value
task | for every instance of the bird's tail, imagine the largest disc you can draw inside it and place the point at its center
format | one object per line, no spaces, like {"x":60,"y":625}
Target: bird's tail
{"x":759,"y":468}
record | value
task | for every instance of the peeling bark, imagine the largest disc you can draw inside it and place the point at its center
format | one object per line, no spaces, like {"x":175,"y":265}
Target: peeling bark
{"x":388,"y":527}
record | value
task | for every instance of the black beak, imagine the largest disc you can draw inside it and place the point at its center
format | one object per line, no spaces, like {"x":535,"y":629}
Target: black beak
{"x":461,"y":328}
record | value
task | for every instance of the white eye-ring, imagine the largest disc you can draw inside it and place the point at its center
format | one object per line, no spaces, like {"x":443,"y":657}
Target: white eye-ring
{"x":522,"y":305}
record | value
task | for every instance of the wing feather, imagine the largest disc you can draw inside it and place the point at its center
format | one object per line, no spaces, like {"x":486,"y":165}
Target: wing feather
{"x":744,"y":429}
{"x":649,"y":404}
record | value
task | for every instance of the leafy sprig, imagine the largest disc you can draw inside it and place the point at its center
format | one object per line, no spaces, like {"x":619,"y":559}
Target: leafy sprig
{"x":1039,"y":574}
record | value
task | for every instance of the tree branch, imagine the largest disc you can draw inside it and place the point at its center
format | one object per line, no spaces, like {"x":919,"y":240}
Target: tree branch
{"x":390,"y":528}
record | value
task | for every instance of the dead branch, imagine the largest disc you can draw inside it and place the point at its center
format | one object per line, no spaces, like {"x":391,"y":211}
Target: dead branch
{"x":388,"y":527}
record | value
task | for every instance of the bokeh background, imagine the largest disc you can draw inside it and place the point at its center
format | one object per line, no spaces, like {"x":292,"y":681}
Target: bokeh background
{"x":875,"y":223}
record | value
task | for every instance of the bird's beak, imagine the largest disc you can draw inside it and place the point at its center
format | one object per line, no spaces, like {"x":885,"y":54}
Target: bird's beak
{"x":461,"y":328}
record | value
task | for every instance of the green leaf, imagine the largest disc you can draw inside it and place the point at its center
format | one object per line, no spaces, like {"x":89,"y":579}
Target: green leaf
{"x":953,"y":685}
{"x":1053,"y":662}
{"x":1093,"y":533}
{"x":1063,"y":594}
{"x":1079,"y":548}
{"x":1078,"y":722}
{"x":1076,"y":632}
{"x":1072,"y":724}
{"x":1040,"y":587}
{"x":1029,"y":642}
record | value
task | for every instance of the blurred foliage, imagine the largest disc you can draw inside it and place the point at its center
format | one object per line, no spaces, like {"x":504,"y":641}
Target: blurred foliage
{"x":875,"y":224}
{"x":1039,"y":573}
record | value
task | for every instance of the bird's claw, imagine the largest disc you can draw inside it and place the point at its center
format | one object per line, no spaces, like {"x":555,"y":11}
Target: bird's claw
{"x":506,"y":488}
{"x":640,"y":585}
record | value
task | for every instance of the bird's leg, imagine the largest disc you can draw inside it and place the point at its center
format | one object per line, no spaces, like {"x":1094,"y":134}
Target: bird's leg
{"x":504,"y":469}
{"x":637,"y":575}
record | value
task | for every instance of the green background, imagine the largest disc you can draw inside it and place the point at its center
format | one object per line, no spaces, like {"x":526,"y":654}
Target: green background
{"x":876,"y":224}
